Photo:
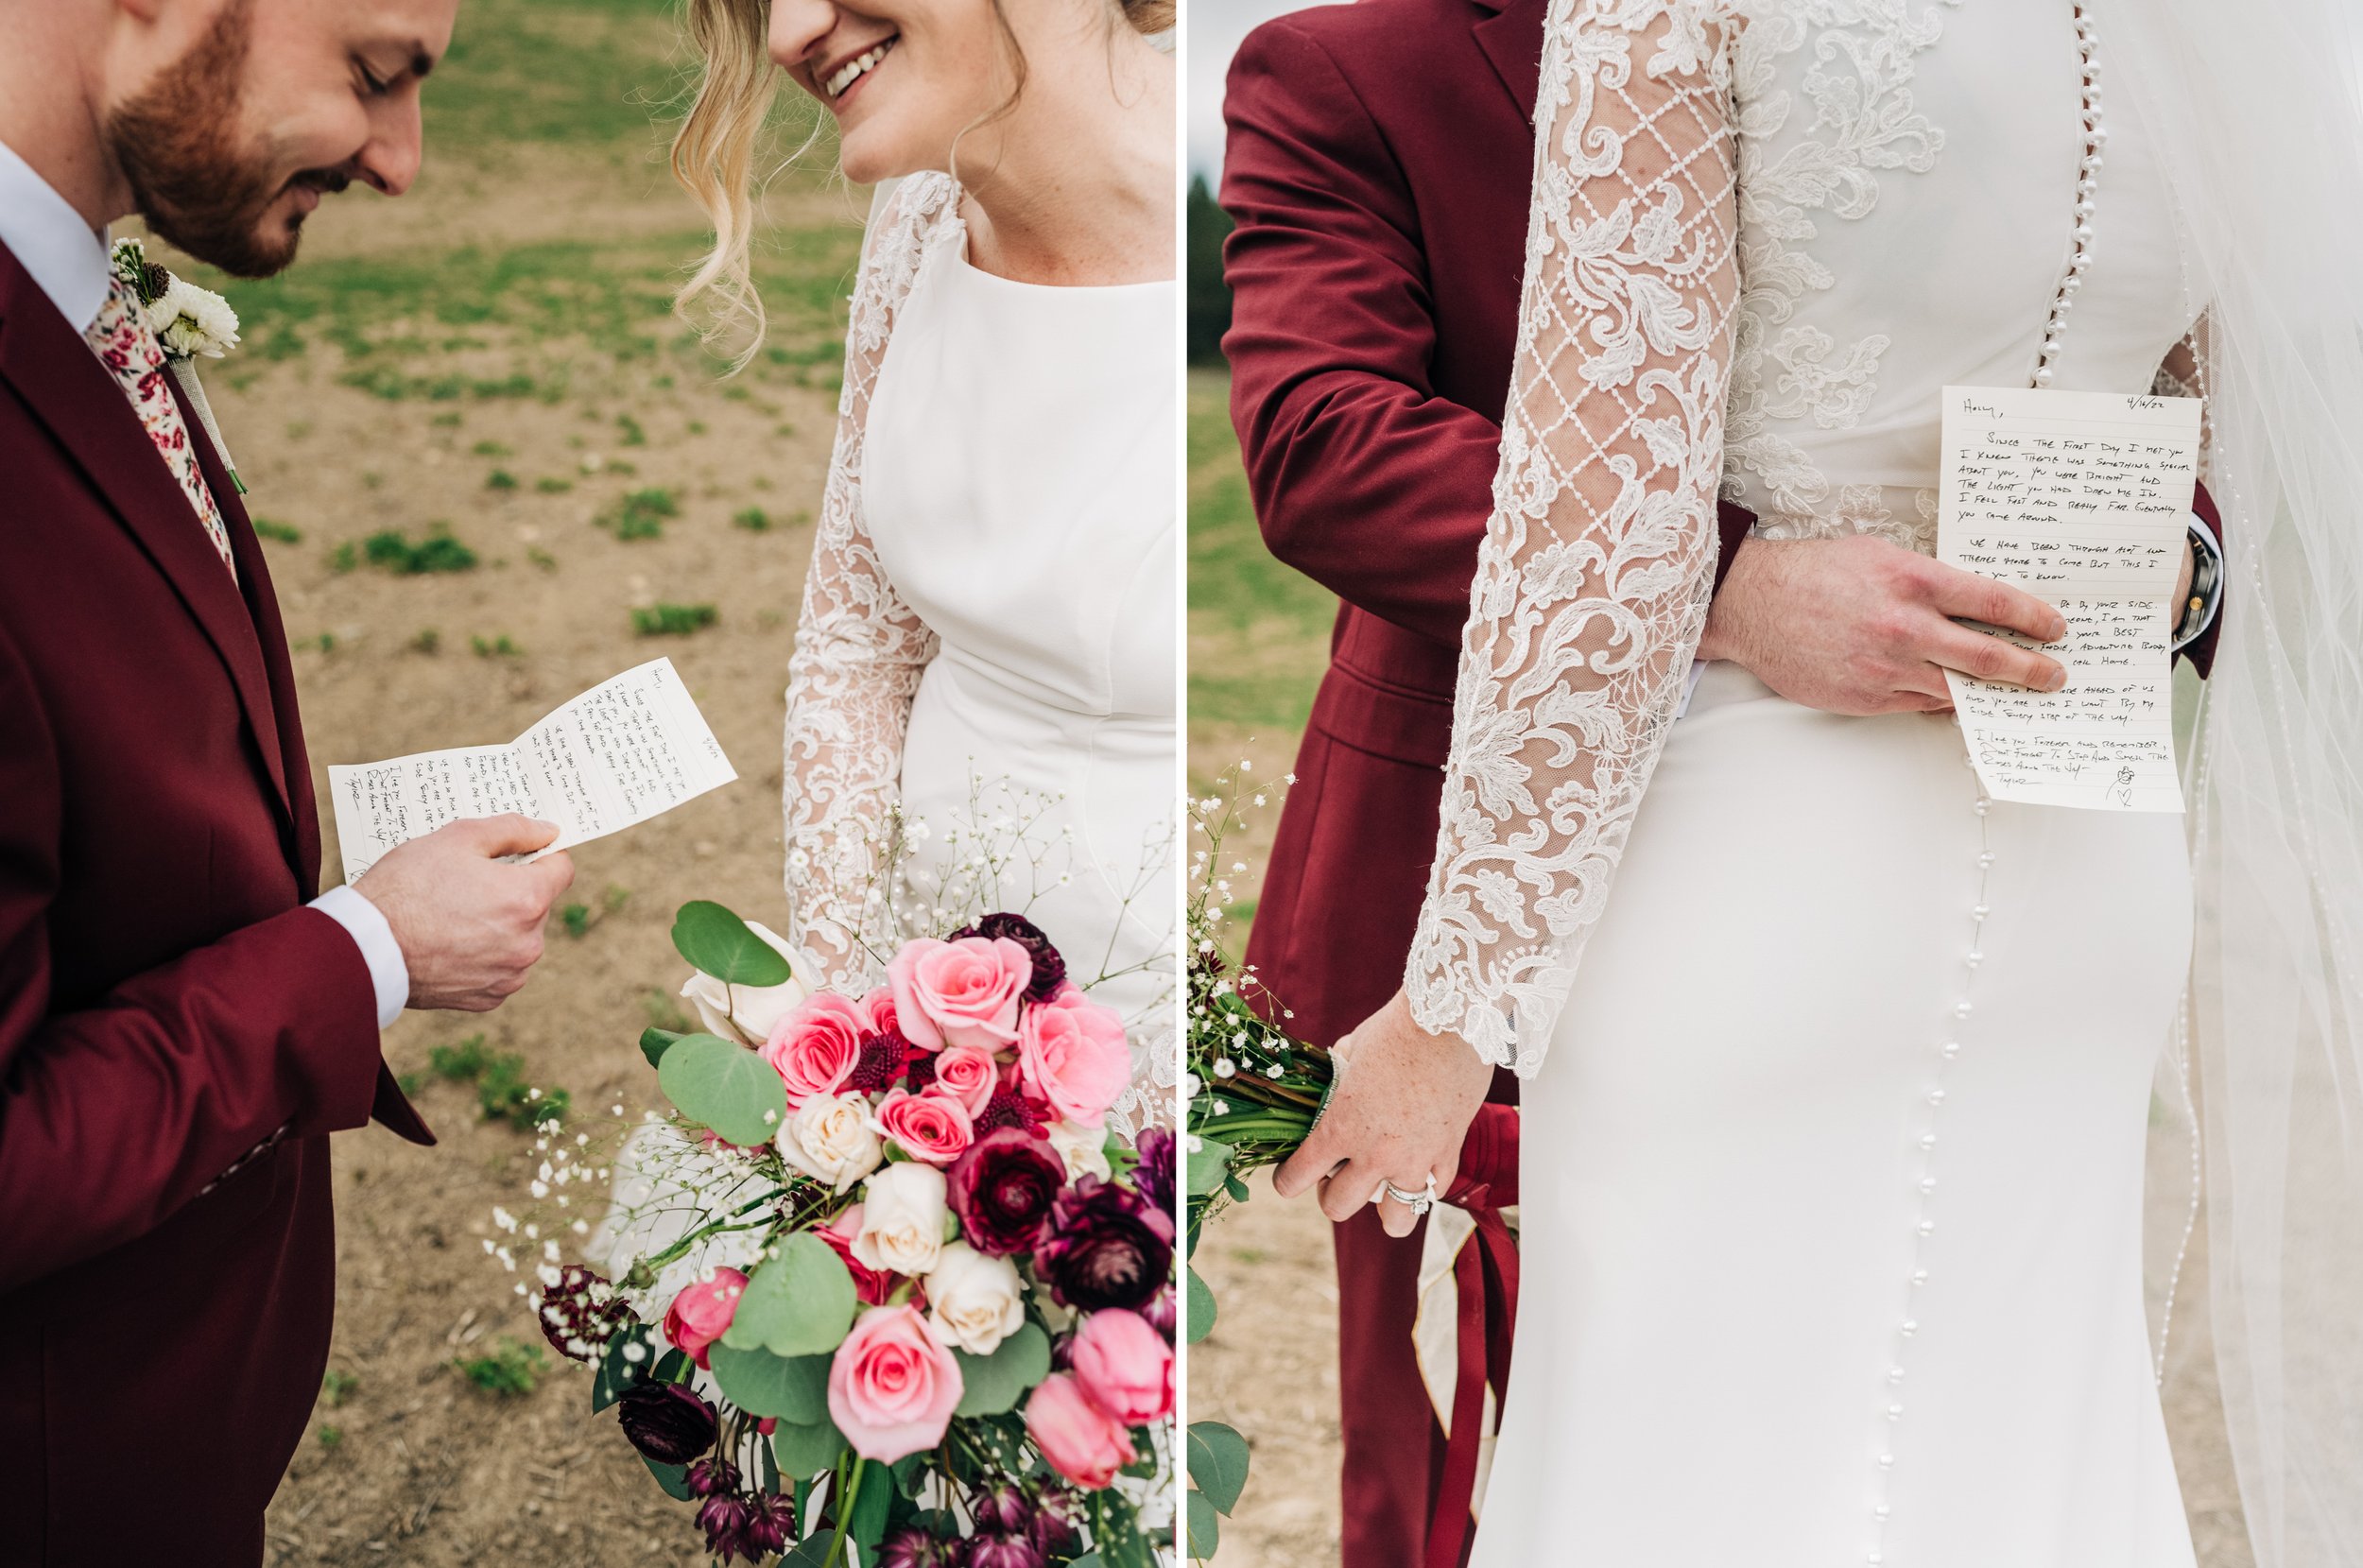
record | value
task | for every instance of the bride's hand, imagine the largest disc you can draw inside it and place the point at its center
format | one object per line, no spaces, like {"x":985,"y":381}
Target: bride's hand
{"x":1404,"y":1099}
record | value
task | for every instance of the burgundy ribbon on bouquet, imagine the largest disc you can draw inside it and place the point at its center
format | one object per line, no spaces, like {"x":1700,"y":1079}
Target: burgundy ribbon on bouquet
{"x":1484,"y":1279}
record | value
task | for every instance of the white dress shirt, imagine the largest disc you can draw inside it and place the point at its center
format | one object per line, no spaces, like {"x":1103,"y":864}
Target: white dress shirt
{"x":68,"y":259}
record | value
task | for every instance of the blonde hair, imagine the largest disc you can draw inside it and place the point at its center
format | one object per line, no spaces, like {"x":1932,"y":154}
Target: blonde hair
{"x":715,"y":151}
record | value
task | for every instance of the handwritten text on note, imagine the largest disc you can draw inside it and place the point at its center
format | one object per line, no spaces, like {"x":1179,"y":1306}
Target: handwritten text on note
{"x":2082,"y":500}
{"x":620,"y":753}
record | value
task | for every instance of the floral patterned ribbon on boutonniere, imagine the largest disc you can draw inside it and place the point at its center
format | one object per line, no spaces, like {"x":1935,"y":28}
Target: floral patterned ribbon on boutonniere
{"x":189,"y":322}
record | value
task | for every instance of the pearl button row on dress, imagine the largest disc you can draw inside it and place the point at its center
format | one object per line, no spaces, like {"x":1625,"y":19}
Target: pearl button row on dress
{"x":1924,"y":1186}
{"x":2087,"y":187}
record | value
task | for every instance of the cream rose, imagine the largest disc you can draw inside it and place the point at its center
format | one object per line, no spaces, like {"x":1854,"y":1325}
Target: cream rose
{"x":975,"y":1300}
{"x":1083,"y":1149}
{"x":903,"y":1216}
{"x":828,"y":1138}
{"x":756,"y":1009}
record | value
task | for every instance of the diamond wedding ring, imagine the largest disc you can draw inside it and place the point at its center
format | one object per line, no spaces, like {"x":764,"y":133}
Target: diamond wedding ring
{"x":1418,"y":1203}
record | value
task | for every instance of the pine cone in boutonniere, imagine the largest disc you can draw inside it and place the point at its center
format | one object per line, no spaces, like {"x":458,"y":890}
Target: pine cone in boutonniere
{"x":189,"y":322}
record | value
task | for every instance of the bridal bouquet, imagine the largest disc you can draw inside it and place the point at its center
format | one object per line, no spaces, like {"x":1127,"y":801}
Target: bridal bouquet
{"x":1252,"y":1092}
{"x":884,"y":1289}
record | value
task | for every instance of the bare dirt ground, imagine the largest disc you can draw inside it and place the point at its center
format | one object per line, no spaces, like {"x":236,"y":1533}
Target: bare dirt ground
{"x":1257,"y":644}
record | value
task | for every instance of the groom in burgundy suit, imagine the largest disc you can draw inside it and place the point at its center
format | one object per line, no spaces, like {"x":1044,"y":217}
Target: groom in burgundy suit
{"x":182,"y":1023}
{"x":1377,"y":168}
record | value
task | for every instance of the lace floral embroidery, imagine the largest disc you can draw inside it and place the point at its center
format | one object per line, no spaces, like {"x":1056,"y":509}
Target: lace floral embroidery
{"x":1592,"y":585}
{"x":1782,"y":369}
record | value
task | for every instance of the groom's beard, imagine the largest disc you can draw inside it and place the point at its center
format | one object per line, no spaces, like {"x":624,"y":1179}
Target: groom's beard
{"x":174,"y":144}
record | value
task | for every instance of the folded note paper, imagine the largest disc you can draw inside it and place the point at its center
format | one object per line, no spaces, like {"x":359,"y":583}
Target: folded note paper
{"x":622,"y":752}
{"x":2083,"y":500}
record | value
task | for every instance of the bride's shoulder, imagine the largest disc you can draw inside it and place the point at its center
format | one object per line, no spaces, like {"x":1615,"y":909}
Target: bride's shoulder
{"x":920,"y":208}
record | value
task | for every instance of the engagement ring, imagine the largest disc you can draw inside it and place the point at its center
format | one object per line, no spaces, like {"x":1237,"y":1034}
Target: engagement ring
{"x":1418,"y":1203}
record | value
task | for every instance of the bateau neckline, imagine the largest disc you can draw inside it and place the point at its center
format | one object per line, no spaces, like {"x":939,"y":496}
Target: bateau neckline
{"x":961,"y":258}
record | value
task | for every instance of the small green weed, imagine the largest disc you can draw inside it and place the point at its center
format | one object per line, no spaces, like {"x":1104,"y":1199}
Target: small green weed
{"x":278,"y":533}
{"x":509,"y":1369}
{"x":548,"y":486}
{"x":632,"y":432}
{"x":672,"y":620}
{"x":754,"y":519}
{"x":338,"y":1385}
{"x":500,"y":479}
{"x":491,"y":449}
{"x":344,"y":558}
{"x":331,"y":1435}
{"x":427,"y":641}
{"x":494,"y":648}
{"x":438,"y":552}
{"x":641,"y":514}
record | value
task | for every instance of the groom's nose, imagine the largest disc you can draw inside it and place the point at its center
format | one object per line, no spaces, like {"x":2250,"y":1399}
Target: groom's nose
{"x":390,"y":160}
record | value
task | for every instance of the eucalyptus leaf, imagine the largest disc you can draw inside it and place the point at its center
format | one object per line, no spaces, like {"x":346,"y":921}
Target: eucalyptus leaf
{"x":807,"y":1450}
{"x":873,"y":1495}
{"x":720,"y":943}
{"x":1198,"y":1306}
{"x":618,"y":1371}
{"x":673,"y":1478}
{"x":1217,"y":1463}
{"x":800,"y":1302}
{"x":724,"y":1086}
{"x":1209,"y":1165}
{"x":992,"y":1383}
{"x":792,"y":1388}
{"x":1205,"y":1534}
{"x":654,"y":1042}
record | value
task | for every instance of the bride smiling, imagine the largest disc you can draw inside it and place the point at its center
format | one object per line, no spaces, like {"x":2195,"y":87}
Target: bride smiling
{"x":989,"y":625}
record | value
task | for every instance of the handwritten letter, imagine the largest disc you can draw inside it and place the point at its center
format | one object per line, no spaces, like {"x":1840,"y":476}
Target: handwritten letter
{"x":620,"y":753}
{"x":2081,"y":499}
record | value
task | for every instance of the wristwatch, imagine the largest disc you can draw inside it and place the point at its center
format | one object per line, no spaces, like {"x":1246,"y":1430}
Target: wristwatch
{"x":2198,"y":611}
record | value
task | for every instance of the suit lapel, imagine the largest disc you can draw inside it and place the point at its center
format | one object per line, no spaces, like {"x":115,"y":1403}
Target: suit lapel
{"x":283,"y":745}
{"x":1510,"y":33}
{"x":72,"y":394}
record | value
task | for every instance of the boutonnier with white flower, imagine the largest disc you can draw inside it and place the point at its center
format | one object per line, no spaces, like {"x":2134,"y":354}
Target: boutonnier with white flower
{"x":190,"y":324}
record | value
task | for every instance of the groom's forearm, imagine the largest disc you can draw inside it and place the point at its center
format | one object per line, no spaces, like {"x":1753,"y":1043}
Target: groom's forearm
{"x":115,"y":1117}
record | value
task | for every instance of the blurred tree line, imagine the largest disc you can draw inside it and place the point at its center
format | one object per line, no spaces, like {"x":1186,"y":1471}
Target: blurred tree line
{"x":1209,"y":300}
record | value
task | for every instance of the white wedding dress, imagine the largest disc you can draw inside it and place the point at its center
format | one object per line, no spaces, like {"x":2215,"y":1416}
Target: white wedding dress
{"x":987,"y":648}
{"x":1832,"y":1170}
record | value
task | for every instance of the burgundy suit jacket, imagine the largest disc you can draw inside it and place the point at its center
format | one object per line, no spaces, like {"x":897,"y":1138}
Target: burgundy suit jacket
{"x":166,"y":1003}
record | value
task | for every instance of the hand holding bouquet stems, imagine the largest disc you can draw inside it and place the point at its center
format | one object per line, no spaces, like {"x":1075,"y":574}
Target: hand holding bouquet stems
{"x":887,"y":1290}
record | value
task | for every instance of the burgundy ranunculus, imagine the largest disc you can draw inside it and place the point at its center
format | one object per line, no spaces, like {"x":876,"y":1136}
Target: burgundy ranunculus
{"x":1000,"y":1506}
{"x":1057,"y":1528}
{"x":1003,"y":1551}
{"x":1004,"y":1187}
{"x":1049,"y":966}
{"x":1153,"y":1175}
{"x":916,"y":1548}
{"x":881,"y":1063}
{"x":1163,"y":1312}
{"x":666,"y":1421}
{"x":1104,"y":1246}
{"x":580,"y":1313}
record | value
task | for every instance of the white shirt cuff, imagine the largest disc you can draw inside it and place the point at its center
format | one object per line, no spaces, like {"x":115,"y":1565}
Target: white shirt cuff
{"x":388,"y":972}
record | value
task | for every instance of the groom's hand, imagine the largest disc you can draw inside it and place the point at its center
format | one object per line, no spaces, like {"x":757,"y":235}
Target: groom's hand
{"x":1403,"y":1100}
{"x":1860,"y":625}
{"x":469,"y":924}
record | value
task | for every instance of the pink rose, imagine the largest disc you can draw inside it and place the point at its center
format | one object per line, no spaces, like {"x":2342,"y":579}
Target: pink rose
{"x":892,"y":1384}
{"x":702,"y":1311}
{"x":877,"y":1011}
{"x":814,"y":1046}
{"x":1083,"y":1442}
{"x":962,"y":992}
{"x":932,"y":1128}
{"x":1124,"y":1366}
{"x":1071,"y":1052}
{"x":968,"y":1075}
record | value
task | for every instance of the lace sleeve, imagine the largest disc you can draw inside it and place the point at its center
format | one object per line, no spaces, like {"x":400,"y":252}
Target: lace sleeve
{"x":859,"y":648}
{"x":1593,"y":582}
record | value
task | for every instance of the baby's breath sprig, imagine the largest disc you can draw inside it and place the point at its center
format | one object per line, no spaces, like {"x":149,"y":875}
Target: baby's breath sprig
{"x":1253,"y":1089}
